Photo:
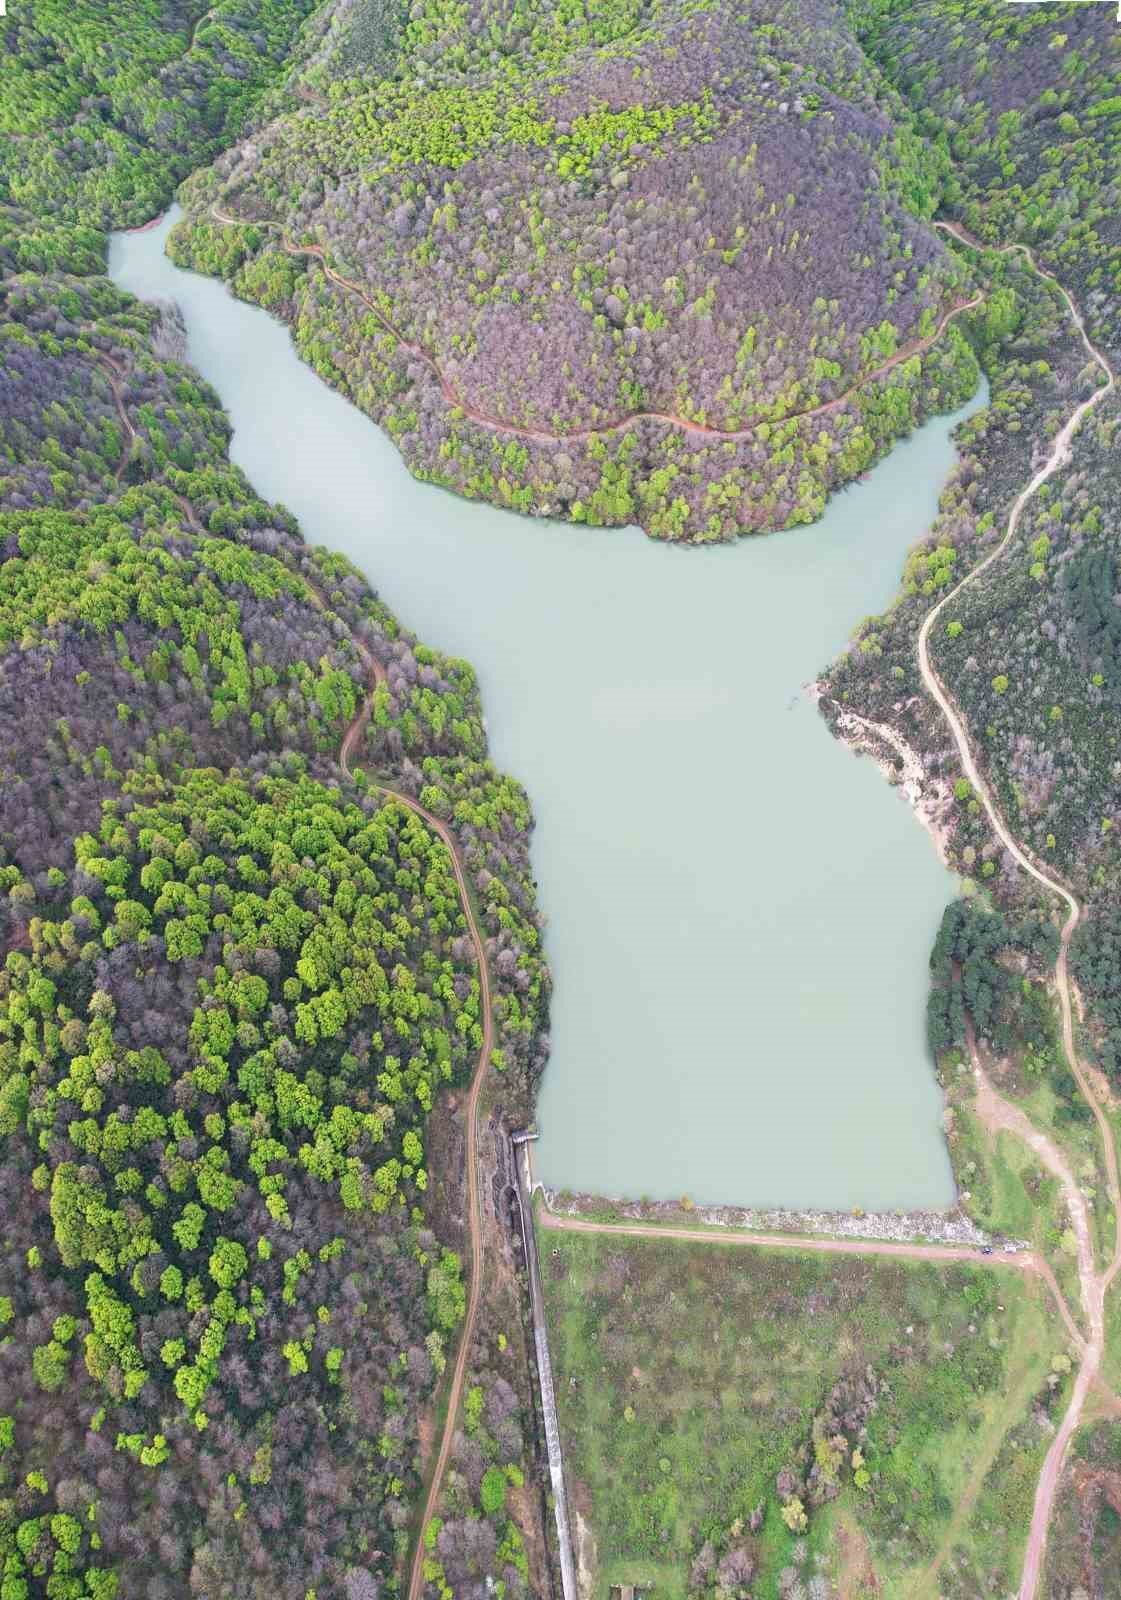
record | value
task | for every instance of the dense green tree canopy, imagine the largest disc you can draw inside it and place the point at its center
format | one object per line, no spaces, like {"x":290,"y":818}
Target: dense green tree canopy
{"x":234,"y":980}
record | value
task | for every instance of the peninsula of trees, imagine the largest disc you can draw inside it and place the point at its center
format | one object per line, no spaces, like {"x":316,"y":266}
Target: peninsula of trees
{"x":643,"y":261}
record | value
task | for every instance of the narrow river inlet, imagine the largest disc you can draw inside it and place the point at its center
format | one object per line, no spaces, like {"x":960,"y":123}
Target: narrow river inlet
{"x":739,"y":912}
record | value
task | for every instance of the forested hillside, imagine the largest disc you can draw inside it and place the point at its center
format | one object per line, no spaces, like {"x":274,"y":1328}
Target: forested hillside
{"x":102,"y":111}
{"x":237,"y":984}
{"x":1028,"y":103}
{"x":1031,"y":105}
{"x":1025,"y":101}
{"x":671,"y":261}
{"x":651,"y":260}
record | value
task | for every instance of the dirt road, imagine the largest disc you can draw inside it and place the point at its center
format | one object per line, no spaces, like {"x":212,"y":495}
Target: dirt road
{"x":474,"y":1219}
{"x":560,"y":1223}
{"x":485,"y":419}
{"x":112,"y":370}
{"x":205,"y":18}
{"x":1000,"y":1115}
{"x":1059,"y":457}
{"x":376,"y":675}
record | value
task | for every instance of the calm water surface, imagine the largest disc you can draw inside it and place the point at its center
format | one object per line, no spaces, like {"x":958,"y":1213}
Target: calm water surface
{"x":740,"y":912}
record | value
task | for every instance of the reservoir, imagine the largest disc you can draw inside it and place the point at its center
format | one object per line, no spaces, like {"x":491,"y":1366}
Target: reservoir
{"x":740,"y":913}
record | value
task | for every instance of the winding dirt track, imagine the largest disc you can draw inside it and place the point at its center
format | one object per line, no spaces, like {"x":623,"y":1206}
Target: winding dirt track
{"x":112,"y":370}
{"x":206,"y":16}
{"x":376,"y":676}
{"x":485,"y":419}
{"x":1096,"y":1287}
{"x":1001,"y":1115}
{"x":474,"y":1288}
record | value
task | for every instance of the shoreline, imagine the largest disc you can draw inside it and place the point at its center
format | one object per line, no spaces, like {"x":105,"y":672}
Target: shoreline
{"x":931,"y":799}
{"x":894,"y":1227}
{"x":927,"y":1224}
{"x":146,"y":227}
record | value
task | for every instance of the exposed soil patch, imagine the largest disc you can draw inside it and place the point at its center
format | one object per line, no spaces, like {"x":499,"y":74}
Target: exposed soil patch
{"x":586,"y":1555}
{"x":856,"y":1577}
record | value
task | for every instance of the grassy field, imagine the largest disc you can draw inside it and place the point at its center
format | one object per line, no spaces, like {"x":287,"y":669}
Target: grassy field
{"x":1014,"y":1196}
{"x":1005,"y":1187}
{"x":701,"y":1384}
{"x":1069,"y":1121}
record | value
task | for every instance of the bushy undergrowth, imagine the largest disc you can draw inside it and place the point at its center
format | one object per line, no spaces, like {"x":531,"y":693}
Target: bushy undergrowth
{"x":715,"y":1455}
{"x":573,"y":216}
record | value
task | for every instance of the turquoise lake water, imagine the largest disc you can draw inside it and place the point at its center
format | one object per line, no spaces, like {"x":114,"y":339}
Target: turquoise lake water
{"x":740,"y":912}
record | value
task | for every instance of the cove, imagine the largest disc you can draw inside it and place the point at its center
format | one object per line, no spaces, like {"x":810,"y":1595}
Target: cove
{"x":740,"y":912}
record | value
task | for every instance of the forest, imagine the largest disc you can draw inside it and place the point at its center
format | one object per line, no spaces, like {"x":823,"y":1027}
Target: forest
{"x":989,"y":970}
{"x":237,"y":996}
{"x":1021,"y":100}
{"x":1024,"y":101}
{"x":102,"y":112}
{"x":664,"y":261}
{"x":652,"y":261}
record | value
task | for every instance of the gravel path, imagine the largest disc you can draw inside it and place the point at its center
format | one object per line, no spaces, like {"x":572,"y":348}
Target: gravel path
{"x":1093,"y":1287}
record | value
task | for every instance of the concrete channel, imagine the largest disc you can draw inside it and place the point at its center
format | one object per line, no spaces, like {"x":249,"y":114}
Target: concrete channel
{"x":521,"y":1142}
